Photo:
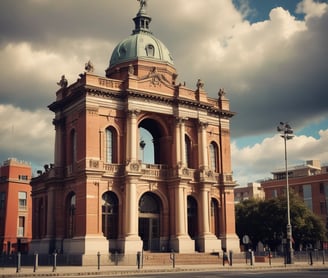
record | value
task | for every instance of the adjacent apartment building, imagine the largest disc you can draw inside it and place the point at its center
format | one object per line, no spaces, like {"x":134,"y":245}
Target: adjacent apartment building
{"x":253,"y":190}
{"x":15,"y":206}
{"x":310,"y":181}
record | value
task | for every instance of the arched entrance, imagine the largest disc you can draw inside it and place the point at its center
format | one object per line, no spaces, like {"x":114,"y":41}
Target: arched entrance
{"x":149,"y":221}
{"x":110,"y":215}
{"x":153,"y":134}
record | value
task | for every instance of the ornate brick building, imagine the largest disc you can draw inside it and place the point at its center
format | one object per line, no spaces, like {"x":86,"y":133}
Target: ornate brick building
{"x":101,"y":195}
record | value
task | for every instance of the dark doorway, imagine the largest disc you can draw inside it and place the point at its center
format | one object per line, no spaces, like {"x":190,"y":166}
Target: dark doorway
{"x":110,"y":215}
{"x":192,"y":217}
{"x":149,"y":221}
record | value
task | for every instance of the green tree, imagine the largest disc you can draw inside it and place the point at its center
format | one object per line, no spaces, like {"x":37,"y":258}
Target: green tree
{"x":266,"y":221}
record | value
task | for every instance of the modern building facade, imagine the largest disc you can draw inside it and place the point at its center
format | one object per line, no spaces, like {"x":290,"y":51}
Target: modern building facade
{"x":15,"y":206}
{"x":309,"y":181}
{"x":110,"y":189}
{"x":253,"y":190}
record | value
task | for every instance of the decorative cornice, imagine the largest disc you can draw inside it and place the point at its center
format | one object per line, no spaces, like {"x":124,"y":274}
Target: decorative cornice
{"x":79,"y":91}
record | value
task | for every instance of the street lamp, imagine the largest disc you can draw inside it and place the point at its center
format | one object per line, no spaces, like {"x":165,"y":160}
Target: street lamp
{"x":286,"y":132}
{"x":142,"y":145}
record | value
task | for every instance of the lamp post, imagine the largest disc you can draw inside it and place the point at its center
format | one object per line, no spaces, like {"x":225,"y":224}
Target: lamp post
{"x":142,"y":145}
{"x":286,"y":132}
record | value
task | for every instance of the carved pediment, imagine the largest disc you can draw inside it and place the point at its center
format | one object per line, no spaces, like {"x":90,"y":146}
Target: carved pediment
{"x":155,"y":78}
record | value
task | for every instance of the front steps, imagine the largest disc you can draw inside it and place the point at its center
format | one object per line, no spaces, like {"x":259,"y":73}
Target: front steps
{"x":157,"y":259}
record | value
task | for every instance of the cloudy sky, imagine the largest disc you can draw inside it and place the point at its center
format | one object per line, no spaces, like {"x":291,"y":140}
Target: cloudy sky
{"x":271,"y":58}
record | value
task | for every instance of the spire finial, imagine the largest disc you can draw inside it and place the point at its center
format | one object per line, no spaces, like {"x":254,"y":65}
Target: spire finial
{"x":143,"y":4}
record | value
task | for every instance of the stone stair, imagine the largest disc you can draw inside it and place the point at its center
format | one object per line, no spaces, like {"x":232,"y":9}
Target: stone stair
{"x":151,"y":259}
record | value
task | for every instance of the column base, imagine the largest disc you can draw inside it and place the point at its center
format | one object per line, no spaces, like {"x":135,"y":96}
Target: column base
{"x":231,"y":243}
{"x":182,"y":244}
{"x":88,"y":245}
{"x":209,"y":244}
{"x":130,"y":245}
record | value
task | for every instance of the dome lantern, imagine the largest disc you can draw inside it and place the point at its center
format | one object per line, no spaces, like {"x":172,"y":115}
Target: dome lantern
{"x":140,"y":45}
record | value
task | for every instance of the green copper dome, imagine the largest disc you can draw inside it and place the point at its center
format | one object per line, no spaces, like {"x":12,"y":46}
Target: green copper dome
{"x":141,"y":44}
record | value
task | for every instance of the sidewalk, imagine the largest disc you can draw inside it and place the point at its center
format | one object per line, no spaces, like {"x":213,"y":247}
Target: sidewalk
{"x":72,"y":271}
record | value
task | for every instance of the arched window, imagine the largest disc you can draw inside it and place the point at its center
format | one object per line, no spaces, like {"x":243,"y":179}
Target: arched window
{"x":110,"y":145}
{"x":110,"y":215}
{"x":150,"y":50}
{"x":149,"y":204}
{"x":188,"y":151}
{"x":214,"y":156}
{"x":71,"y":206}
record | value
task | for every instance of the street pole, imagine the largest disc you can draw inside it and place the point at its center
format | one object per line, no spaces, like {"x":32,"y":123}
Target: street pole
{"x":287,"y":133}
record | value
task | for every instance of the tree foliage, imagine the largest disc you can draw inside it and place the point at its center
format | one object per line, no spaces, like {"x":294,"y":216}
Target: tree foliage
{"x":266,"y":221}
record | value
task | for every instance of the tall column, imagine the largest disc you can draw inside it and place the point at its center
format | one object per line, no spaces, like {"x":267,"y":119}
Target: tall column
{"x":182,"y":142}
{"x":205,"y":211}
{"x":203,"y":147}
{"x":131,"y":243}
{"x":180,"y":241}
{"x":207,"y":241}
{"x":131,"y":209}
{"x":180,"y":220}
{"x":60,"y":145}
{"x":177,"y":141}
{"x":132,"y":136}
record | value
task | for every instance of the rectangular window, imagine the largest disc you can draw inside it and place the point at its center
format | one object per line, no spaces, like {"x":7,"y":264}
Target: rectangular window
{"x":23,"y":177}
{"x":2,"y":200}
{"x":109,"y":146}
{"x":307,"y":195}
{"x":21,"y":226}
{"x":22,"y":200}
{"x":274,"y":193}
{"x":326,"y":194}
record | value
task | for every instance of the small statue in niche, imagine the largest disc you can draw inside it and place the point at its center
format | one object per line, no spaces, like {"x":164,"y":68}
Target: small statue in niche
{"x":62,"y":82}
{"x":89,"y":66}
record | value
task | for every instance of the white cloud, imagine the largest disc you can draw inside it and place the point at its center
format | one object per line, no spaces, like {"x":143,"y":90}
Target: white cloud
{"x":257,"y":162}
{"x":27,"y":135}
{"x":311,"y":8}
{"x":22,"y":61}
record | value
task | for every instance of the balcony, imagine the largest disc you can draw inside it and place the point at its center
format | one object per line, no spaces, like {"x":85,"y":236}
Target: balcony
{"x":156,"y":172}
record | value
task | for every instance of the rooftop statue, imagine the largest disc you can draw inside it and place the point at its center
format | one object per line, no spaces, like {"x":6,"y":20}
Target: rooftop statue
{"x":62,"y":82}
{"x":143,"y":3}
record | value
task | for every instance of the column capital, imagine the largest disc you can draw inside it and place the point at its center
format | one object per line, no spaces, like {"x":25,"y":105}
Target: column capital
{"x":180,"y":120}
{"x":203,"y":125}
{"x":133,"y":113}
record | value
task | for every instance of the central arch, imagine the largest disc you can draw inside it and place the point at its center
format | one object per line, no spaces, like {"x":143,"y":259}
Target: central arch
{"x":150,"y":208}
